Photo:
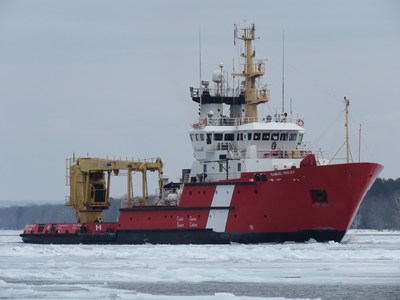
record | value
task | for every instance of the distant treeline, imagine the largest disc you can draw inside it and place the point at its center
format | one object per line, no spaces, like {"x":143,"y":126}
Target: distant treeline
{"x":381,"y":206}
{"x":16,"y":217}
{"x":379,"y":210}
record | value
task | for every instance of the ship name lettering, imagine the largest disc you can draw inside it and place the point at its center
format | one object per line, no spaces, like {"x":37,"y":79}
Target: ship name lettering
{"x":191,"y":224}
{"x":179,"y":219}
{"x":179,"y":225}
{"x":288,"y":172}
{"x":276,"y":174}
{"x":283,"y":173}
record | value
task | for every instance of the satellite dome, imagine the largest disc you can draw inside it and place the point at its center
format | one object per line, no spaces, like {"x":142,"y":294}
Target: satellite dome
{"x":217,"y":76}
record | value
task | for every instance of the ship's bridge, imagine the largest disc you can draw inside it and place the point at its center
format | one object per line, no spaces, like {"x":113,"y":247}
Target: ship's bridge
{"x":229,"y":137}
{"x":216,"y":141}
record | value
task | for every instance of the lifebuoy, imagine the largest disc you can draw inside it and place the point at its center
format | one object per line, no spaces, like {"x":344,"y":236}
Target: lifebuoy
{"x":300,"y":122}
{"x":273,"y":146}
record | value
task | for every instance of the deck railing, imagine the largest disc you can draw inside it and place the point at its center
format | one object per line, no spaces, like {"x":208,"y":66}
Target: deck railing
{"x":287,"y":154}
{"x":225,"y":92}
{"x":228,"y":121}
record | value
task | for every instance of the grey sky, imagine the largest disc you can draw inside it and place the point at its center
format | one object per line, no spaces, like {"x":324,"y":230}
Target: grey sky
{"x":112,"y":78}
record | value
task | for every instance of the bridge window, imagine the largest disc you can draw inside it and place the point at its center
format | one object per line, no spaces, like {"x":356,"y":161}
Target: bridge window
{"x":292,"y":136}
{"x":299,"y":138}
{"x":208,"y":138}
{"x":266,"y":136}
{"x":239,"y":137}
{"x":202,"y":137}
{"x":257,"y":136}
{"x":284,"y":136}
{"x":192,"y":137}
{"x":197,"y":137}
{"x":229,"y":137}
{"x":275,"y":136}
{"x":218,"y":136}
{"x":249,"y":136}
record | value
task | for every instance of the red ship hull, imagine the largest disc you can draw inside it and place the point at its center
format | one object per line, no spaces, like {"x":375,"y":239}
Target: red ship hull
{"x":286,"y":205}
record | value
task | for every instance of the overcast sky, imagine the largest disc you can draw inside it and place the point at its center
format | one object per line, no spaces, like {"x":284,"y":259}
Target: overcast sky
{"x":112,"y":78}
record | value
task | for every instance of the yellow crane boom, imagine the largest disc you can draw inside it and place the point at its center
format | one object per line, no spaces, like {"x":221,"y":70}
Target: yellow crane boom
{"x":89,"y":181}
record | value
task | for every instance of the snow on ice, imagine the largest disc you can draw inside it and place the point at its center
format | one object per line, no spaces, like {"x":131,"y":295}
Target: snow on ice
{"x":30,"y":271}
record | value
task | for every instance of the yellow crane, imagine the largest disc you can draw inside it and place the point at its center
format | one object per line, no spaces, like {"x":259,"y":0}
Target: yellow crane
{"x":89,"y":181}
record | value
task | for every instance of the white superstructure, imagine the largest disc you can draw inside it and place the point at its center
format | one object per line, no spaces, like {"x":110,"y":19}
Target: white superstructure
{"x":229,"y":138}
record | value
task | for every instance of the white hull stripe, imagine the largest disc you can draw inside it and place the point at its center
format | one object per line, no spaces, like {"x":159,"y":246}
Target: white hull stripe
{"x":217,"y":218}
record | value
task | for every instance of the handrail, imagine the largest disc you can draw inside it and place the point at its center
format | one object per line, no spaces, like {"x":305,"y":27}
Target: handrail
{"x":226,"y":92}
{"x":213,"y":177}
{"x":228,"y":121}
{"x":287,"y":154}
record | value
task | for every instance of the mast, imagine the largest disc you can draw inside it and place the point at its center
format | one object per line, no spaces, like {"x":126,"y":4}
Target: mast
{"x":200,"y":91}
{"x":347,"y":104}
{"x":359,"y":144}
{"x":283,"y":72}
{"x":251,"y":72}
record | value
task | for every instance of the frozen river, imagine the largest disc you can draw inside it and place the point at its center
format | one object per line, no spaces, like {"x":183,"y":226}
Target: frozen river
{"x":366,"y":265}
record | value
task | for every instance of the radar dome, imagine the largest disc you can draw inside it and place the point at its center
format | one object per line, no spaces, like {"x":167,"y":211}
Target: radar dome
{"x":217,"y":76}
